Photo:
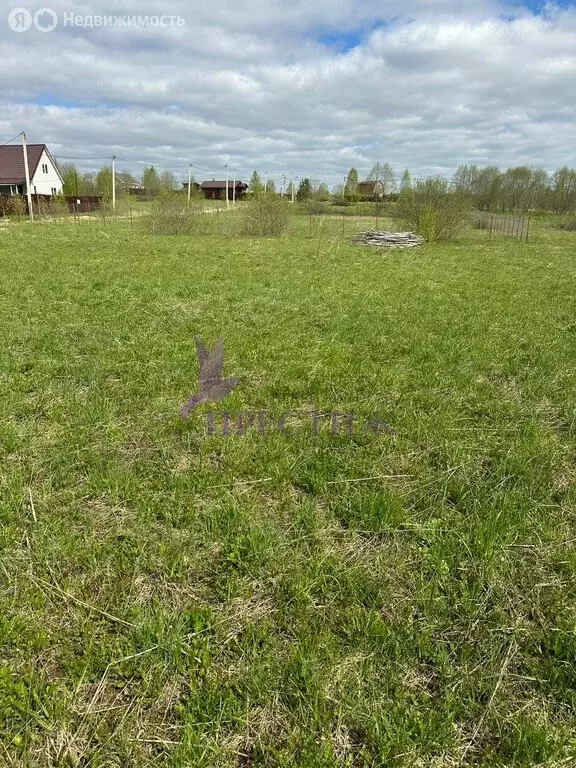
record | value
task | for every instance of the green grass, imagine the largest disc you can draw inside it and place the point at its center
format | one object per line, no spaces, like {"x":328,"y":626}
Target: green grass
{"x":173,"y":599}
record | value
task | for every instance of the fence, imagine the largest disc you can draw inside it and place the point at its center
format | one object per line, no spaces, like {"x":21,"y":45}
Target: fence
{"x":17,"y":205}
{"x":500,"y":224}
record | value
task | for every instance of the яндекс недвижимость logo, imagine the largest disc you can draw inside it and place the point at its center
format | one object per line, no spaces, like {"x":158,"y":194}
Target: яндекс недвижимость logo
{"x":21,"y":20}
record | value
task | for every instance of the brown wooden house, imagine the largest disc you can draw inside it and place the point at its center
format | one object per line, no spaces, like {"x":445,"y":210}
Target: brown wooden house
{"x":370,"y":190}
{"x":216,"y":190}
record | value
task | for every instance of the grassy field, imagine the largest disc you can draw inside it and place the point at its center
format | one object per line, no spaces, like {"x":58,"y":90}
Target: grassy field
{"x":170,"y":598}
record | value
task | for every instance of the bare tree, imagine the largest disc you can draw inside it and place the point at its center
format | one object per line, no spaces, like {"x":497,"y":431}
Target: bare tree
{"x":564,"y":190}
{"x":385,"y":175}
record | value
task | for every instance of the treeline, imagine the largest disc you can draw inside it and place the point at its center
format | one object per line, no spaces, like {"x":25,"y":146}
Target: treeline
{"x":307,"y":188}
{"x":100,"y":182}
{"x":490,"y":189}
{"x":518,"y":189}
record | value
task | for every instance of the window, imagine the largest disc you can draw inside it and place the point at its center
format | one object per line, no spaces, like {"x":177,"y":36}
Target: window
{"x":35,"y":192}
{"x":54,"y":192}
{"x":44,"y":167}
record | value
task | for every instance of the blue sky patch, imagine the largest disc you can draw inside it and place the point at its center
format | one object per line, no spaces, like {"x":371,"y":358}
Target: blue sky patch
{"x":49,"y":100}
{"x":344,"y":40}
{"x":538,"y":6}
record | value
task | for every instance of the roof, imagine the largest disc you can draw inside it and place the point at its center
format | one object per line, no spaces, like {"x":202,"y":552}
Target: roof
{"x":12,"y":162}
{"x":220,"y":184}
{"x":368,"y":186}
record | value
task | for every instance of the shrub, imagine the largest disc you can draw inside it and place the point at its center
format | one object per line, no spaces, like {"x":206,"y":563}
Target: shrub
{"x":567,"y":223}
{"x":314,"y":207}
{"x":14,"y":205}
{"x":481,"y":222}
{"x":434,"y":210}
{"x":171,"y":215}
{"x":265,"y":216}
{"x":57,"y":206}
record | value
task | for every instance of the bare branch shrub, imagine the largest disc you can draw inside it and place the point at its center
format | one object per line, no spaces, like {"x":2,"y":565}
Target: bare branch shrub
{"x":265,"y":216}
{"x":434,"y":210}
{"x":567,"y":223}
{"x":14,"y":205}
{"x":171,"y":215}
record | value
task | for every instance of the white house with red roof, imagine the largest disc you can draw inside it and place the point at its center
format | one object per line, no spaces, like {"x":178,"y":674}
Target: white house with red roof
{"x":45,"y":178}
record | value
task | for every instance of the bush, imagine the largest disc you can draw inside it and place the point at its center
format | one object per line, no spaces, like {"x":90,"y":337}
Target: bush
{"x":567,"y":223}
{"x":314,"y":207}
{"x":481,"y":222}
{"x":56,"y":207}
{"x":171,"y":215}
{"x":342,"y":201}
{"x":13,"y":205}
{"x":265,"y":216}
{"x":434,"y":210}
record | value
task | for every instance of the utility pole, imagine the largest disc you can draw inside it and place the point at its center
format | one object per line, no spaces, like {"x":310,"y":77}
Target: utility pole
{"x":283,"y":184}
{"x":27,"y":172}
{"x":234,"y":189}
{"x":189,"y":183}
{"x":265,"y":180}
{"x":292,"y":185}
{"x":227,"y":201}
{"x":344,"y":187}
{"x":113,"y":182}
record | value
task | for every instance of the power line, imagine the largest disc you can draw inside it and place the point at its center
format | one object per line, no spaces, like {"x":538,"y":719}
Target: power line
{"x":156,"y":165}
{"x":5,"y":144}
{"x":77,"y":157}
{"x":138,"y":162}
{"x":276,"y":178}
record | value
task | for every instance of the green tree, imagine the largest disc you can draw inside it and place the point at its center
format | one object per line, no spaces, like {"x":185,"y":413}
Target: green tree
{"x":151,"y":180}
{"x":104,"y":182}
{"x":71,"y":185}
{"x":87,"y":184}
{"x":304,"y":190}
{"x":351,"y":185}
{"x":406,"y":183}
{"x":255,"y":186}
{"x":271,"y":187}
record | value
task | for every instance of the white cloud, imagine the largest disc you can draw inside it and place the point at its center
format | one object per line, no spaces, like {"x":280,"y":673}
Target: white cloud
{"x":256,"y":85}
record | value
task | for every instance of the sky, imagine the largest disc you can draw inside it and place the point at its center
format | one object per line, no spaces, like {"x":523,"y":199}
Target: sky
{"x":295,"y":87}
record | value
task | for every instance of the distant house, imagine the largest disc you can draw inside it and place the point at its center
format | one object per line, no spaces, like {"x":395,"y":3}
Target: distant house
{"x":216,"y":190}
{"x":127,"y":184}
{"x":195,"y":186}
{"x":45,"y":178}
{"x":370,"y":190}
